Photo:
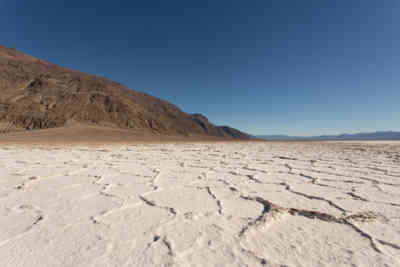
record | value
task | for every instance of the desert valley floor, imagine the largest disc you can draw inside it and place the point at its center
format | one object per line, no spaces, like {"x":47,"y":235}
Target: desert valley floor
{"x":201,"y":204}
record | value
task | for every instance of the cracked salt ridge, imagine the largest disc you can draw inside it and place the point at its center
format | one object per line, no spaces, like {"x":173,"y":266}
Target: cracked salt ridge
{"x":331,"y":203}
{"x":219,"y":203}
{"x":375,"y":181}
{"x":271,"y":211}
{"x":26,"y":230}
{"x":153,"y":204}
{"x":237,"y":250}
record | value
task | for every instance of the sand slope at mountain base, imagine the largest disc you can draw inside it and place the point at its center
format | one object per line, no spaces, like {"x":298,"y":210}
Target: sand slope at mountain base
{"x":83,"y":134}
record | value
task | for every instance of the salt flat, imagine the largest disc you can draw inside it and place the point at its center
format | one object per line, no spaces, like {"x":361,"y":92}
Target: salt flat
{"x":216,"y":204}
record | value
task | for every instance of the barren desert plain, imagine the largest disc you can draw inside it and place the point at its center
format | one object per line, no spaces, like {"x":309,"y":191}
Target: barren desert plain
{"x":201,"y":204}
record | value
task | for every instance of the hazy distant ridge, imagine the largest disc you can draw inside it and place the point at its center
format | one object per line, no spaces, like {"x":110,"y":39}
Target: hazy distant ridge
{"x":381,"y":135}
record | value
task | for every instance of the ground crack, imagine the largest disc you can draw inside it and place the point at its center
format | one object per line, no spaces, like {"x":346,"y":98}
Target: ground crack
{"x":383,"y":242}
{"x":219,"y":203}
{"x":357,"y":197}
{"x":269,"y":212}
{"x":254,"y":179}
{"x":168,"y":244}
{"x":38,"y":219}
{"x":288,"y":188}
{"x":285,"y":158}
{"x":25,"y":184}
{"x":262,"y":261}
{"x":254,"y":169}
{"x":153,"y":204}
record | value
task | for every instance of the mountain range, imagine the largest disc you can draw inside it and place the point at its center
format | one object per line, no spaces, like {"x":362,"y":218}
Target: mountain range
{"x":381,"y":135}
{"x":37,"y":95}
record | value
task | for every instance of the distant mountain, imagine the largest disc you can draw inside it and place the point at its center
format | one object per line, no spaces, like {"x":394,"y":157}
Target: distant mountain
{"x":35,"y":94}
{"x":382,"y":135}
{"x":277,"y":137}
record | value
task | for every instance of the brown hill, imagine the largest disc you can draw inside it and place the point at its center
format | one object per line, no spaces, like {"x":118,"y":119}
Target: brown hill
{"x":35,"y":94}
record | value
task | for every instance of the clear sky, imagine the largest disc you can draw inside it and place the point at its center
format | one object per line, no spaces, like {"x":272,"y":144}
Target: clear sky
{"x":267,"y":67}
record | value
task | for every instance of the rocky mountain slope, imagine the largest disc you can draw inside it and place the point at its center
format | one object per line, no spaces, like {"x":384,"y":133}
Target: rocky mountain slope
{"x":35,"y":94}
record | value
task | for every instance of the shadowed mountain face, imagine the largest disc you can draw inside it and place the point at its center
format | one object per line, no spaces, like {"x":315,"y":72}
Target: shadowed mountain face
{"x":35,"y":94}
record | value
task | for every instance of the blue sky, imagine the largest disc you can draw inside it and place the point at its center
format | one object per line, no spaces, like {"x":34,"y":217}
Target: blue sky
{"x":266,"y":67}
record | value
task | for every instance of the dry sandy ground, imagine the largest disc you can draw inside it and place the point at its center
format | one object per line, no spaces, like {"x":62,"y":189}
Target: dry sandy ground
{"x":93,"y":135}
{"x":215,"y":204}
